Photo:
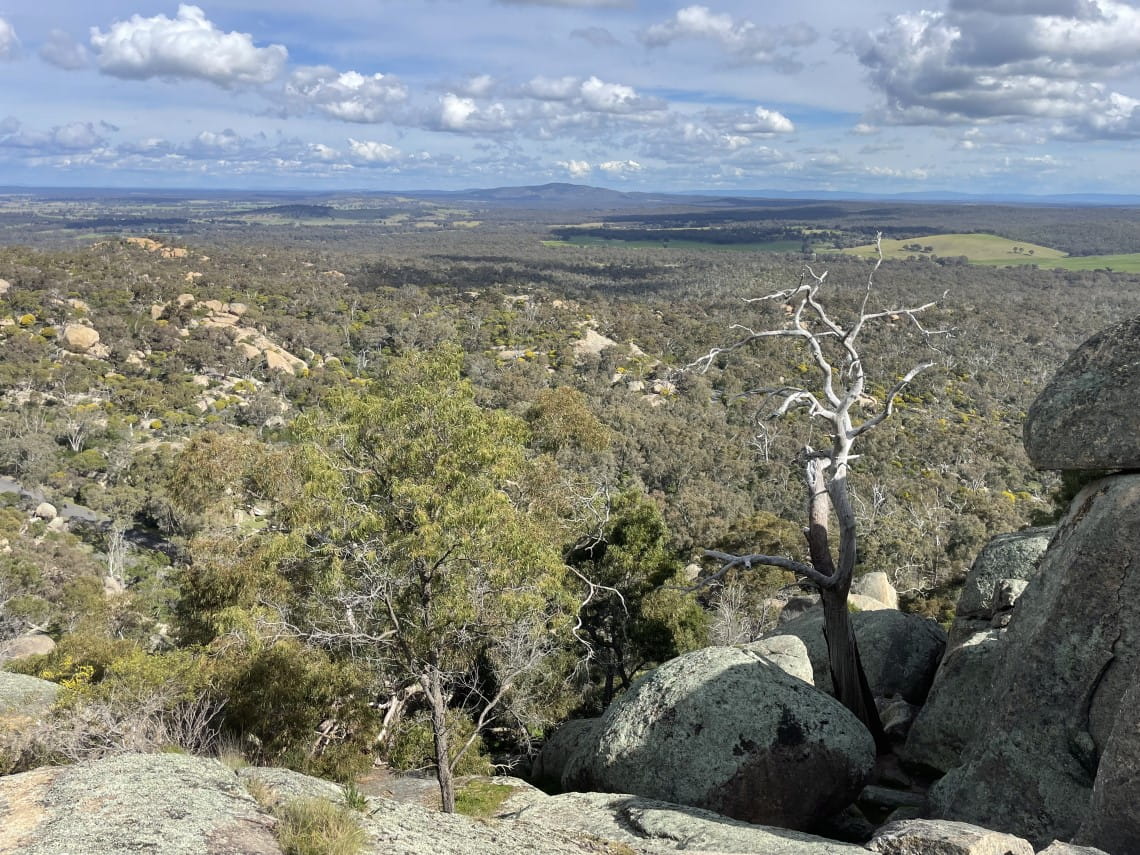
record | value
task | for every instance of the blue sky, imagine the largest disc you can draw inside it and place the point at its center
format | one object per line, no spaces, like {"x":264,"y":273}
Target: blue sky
{"x":976,"y":96}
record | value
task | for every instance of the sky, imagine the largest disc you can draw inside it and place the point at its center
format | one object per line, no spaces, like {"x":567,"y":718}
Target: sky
{"x":877,"y":96}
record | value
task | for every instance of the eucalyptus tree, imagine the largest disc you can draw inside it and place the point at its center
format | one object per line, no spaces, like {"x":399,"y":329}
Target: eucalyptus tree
{"x":836,"y":395}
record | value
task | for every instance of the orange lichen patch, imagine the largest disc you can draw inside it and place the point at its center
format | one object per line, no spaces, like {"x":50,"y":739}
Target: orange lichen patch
{"x":22,"y":807}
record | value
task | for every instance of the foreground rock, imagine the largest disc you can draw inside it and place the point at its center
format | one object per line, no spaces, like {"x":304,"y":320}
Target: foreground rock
{"x":656,"y":826}
{"x":1085,"y":418}
{"x":1070,"y":654}
{"x":164,"y":803}
{"x":1113,"y":821}
{"x":900,"y":652}
{"x":726,"y":730}
{"x":932,"y":837}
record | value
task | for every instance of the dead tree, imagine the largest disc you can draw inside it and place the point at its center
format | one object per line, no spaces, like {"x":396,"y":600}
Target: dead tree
{"x":840,"y":392}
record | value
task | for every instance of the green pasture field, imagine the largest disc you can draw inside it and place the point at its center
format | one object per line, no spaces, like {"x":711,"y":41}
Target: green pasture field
{"x":995,"y":251}
{"x":979,"y":248}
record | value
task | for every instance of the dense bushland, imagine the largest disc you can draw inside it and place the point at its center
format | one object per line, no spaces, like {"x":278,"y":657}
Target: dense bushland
{"x":463,"y":480}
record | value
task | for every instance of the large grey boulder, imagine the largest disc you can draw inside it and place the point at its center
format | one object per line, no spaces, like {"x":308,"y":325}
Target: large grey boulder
{"x":900,"y":652}
{"x":1085,"y":418}
{"x":656,"y":826}
{"x":726,"y":730}
{"x":939,"y":837}
{"x":1113,"y":821}
{"x":948,"y":721}
{"x":572,"y":737}
{"x":1070,"y":653}
{"x":1058,"y":847}
{"x":1016,"y":555}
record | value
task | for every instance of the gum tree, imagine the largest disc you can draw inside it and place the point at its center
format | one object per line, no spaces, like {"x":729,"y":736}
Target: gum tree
{"x":838,"y":399}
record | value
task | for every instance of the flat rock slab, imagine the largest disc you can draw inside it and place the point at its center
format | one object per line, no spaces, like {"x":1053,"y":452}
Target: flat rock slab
{"x":649,"y":825}
{"x":940,"y":837}
{"x":1086,"y":416}
{"x":161,"y":803}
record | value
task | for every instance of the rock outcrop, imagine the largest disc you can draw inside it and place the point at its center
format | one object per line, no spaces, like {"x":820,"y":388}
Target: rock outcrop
{"x":1070,"y":654}
{"x":949,"y":719}
{"x":79,"y":338}
{"x":900,"y":652}
{"x":1008,"y":556}
{"x":23,"y":646}
{"x":1076,"y":421}
{"x":878,"y":587}
{"x":1113,"y":821}
{"x":726,"y":730}
{"x":787,"y":652}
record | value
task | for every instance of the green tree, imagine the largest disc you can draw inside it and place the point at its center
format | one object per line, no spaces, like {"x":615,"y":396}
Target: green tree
{"x":416,"y":552}
{"x":636,"y":612}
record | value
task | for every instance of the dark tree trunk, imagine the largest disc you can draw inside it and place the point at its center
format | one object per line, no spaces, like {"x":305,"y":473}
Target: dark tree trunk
{"x":847,"y":675}
{"x":433,"y":686}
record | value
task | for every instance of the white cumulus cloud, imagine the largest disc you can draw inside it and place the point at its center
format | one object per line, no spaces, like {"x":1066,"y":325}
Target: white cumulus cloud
{"x":576,"y":168}
{"x":743,"y":39}
{"x":373,"y":152}
{"x":765,"y":122}
{"x":9,"y":44}
{"x":620,"y":167}
{"x":187,"y":46}
{"x":348,"y":96}
{"x":1015,"y":60}
{"x":457,"y":113}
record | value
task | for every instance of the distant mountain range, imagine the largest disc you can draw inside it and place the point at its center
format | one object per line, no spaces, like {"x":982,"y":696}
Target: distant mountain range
{"x":559,"y":194}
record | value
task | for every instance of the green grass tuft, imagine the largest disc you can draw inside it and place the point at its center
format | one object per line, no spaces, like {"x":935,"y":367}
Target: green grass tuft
{"x":318,"y":827}
{"x":481,"y":798}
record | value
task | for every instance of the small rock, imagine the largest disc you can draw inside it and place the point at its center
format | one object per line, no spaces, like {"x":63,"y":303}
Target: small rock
{"x":79,"y":338}
{"x":1059,"y":848}
{"x":788,"y":653}
{"x":877,"y":586}
{"x":940,"y":837}
{"x":21,"y":647}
